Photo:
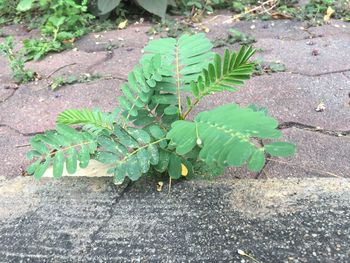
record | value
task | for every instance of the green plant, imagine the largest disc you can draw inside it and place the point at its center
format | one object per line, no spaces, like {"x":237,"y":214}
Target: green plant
{"x":198,"y":6}
{"x":62,"y":21}
{"x":151,"y":133}
{"x":235,"y":36}
{"x":170,"y":28}
{"x":206,"y":5}
{"x":7,"y":9}
{"x":315,"y":10}
{"x":62,"y":81}
{"x":16,"y":61}
{"x":156,"y":7}
{"x":263,"y":67}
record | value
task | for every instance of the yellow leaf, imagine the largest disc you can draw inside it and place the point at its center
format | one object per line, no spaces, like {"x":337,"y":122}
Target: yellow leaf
{"x":160,"y":186}
{"x":330,"y":11}
{"x":205,"y":29}
{"x":184,"y":170}
{"x":123,"y":24}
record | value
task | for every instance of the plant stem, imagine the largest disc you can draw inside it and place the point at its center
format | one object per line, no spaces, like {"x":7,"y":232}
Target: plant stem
{"x":169,"y":189}
{"x":178,"y":79}
{"x":190,"y":108}
{"x":67,"y":148}
{"x":139,"y":149}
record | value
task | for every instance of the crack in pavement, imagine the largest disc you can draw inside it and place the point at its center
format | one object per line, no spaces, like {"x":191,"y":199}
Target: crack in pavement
{"x":319,"y":74}
{"x":346,"y":76}
{"x":92,"y":237}
{"x":9,"y":96}
{"x":301,"y":126}
{"x":109,"y":56}
{"x":120,"y":77}
{"x":19,"y":132}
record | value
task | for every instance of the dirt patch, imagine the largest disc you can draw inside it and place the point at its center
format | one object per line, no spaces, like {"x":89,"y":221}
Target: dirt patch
{"x":267,"y":198}
{"x":17,"y":193}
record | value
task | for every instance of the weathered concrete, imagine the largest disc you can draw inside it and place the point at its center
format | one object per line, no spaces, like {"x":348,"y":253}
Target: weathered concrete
{"x":294,"y":98}
{"x":277,"y":29}
{"x":133,"y":37}
{"x":12,"y":154}
{"x":298,"y":56}
{"x":289,"y":97}
{"x":317,"y":155}
{"x":41,"y":107}
{"x":92,"y":221}
{"x":120,"y":63}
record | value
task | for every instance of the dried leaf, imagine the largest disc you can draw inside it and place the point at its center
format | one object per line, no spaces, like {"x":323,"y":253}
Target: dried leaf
{"x":320,"y":107}
{"x":184,"y":170}
{"x":205,"y":29}
{"x":69,"y":41}
{"x":160,"y":186}
{"x":330,"y":11}
{"x":279,"y":15}
{"x":123,"y":24}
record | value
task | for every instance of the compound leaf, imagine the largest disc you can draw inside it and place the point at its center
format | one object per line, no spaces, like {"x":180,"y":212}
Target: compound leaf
{"x":283,"y":149}
{"x":226,"y":136}
{"x":58,"y":162}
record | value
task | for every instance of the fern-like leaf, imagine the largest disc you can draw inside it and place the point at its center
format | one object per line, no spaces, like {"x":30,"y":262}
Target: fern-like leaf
{"x":93,"y":120}
{"x":132,"y":150}
{"x":187,"y":56}
{"x":224,"y":73}
{"x":225,"y":136}
{"x":140,"y":88}
{"x":65,"y":145}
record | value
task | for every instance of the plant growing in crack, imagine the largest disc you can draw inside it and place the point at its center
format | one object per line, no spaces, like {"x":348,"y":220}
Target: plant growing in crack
{"x":70,"y":80}
{"x":16,"y":61}
{"x":150,"y":133}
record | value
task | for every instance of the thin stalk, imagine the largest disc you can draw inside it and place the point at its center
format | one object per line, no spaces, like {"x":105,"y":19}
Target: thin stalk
{"x":178,"y":79}
{"x":139,"y":149}
{"x":190,"y":108}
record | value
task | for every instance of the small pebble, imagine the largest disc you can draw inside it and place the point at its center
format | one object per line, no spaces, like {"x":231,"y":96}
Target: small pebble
{"x":315,"y":52}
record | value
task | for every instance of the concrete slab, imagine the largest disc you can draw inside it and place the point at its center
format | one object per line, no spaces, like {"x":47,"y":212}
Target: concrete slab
{"x":294,"y":98}
{"x":13,"y":148}
{"x":120,"y":63}
{"x":130,"y":37}
{"x":317,"y":155}
{"x":33,"y":111}
{"x":277,"y":29}
{"x":6,"y":91}
{"x":334,"y":28}
{"x":90,"y":220}
{"x":300,"y":56}
{"x":69,"y":62}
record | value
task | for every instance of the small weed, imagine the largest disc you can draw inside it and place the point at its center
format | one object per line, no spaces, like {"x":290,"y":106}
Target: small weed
{"x":16,"y":61}
{"x":60,"y":23}
{"x":170,"y":28}
{"x":316,"y":10}
{"x":262,"y":67}
{"x":197,"y":8}
{"x":150,"y":133}
{"x":234,"y":36}
{"x":36,"y":49}
{"x":62,"y":81}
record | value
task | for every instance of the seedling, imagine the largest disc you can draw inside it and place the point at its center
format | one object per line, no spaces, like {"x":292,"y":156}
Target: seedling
{"x":234,"y":36}
{"x":150,"y":133}
{"x":62,"y":81}
{"x":16,"y":61}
